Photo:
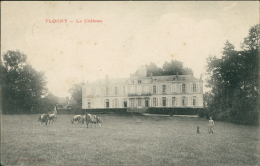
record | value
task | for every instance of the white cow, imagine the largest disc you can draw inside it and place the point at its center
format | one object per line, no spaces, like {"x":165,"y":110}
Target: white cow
{"x":76,"y":118}
{"x":53,"y":117}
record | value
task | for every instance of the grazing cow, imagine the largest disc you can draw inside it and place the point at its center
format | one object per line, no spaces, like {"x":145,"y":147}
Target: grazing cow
{"x":52,"y":117}
{"x":43,"y":118}
{"x":83,"y":117}
{"x":76,"y":118}
{"x":93,"y":119}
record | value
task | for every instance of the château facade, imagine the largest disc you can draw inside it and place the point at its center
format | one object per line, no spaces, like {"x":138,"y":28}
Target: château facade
{"x":140,"y":92}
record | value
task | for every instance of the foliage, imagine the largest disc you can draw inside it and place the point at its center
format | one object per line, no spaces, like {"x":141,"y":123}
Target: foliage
{"x":168,"y":68}
{"x":76,"y":92}
{"x":21,"y":85}
{"x":234,"y":80}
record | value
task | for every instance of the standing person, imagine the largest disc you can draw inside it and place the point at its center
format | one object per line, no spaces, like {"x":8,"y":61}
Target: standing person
{"x":211,"y":125}
{"x":55,"y":110}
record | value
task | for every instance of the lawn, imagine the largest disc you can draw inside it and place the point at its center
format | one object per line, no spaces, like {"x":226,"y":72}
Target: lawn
{"x":127,"y":140}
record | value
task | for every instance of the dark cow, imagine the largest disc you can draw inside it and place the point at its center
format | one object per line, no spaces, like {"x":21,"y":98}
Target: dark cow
{"x":93,"y":119}
{"x":43,"y":118}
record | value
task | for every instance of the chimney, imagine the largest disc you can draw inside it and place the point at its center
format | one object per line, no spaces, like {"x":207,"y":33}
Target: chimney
{"x":177,"y":74}
{"x":200,"y":76}
{"x":151,"y":76}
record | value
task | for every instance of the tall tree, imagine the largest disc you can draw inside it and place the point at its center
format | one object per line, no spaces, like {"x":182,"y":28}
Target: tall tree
{"x":76,"y":92}
{"x":22,"y":86}
{"x":235,"y":89}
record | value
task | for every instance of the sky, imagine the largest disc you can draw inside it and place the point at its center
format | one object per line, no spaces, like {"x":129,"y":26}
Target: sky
{"x":130,"y":34}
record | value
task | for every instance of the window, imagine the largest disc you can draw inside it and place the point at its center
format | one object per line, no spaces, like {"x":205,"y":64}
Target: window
{"x":107,"y":90}
{"x":116,"y":90}
{"x":164,"y":101}
{"x":89,"y":104}
{"x":194,"y":87}
{"x":173,"y":88}
{"x":154,"y":89}
{"x":146,"y":102}
{"x":194,"y":100}
{"x":116,"y":103}
{"x":163,"y":88}
{"x":184,"y":101}
{"x":135,"y":89}
{"x":183,"y":87}
{"x":173,"y":101}
{"x":132,"y":102}
{"x":107,"y":103}
{"x":139,"y":102}
{"x":133,"y":81}
{"x":125,"y":103}
{"x":154,"y":101}
{"x":139,"y":81}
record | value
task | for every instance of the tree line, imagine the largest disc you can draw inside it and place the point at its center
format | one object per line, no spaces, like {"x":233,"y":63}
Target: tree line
{"x":234,"y":80}
{"x":22,"y":86}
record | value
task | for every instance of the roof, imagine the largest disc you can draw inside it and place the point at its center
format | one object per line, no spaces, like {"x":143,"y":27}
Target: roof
{"x":188,"y":78}
{"x":111,"y":81}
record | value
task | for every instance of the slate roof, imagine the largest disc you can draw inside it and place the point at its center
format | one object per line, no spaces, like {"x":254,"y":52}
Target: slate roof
{"x":111,"y":81}
{"x":188,"y":78}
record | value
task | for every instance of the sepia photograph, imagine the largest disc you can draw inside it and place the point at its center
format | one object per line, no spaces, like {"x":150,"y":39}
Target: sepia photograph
{"x":127,"y":83}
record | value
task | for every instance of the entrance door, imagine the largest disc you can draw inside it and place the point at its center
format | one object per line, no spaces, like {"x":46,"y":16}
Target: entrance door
{"x":125,"y":103}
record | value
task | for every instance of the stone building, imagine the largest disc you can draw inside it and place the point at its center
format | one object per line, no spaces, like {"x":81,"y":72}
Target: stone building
{"x":140,"y":93}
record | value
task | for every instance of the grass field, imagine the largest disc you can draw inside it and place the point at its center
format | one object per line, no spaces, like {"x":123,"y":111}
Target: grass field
{"x":127,"y":140}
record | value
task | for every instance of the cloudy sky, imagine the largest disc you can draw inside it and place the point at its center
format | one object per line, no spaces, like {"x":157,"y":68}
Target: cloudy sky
{"x":131,"y":34}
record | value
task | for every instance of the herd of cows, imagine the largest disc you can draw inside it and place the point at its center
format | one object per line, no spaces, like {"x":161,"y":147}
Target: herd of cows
{"x":88,"y":119}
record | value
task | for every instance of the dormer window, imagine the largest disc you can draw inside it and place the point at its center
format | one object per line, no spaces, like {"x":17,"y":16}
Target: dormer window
{"x":139,"y":81}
